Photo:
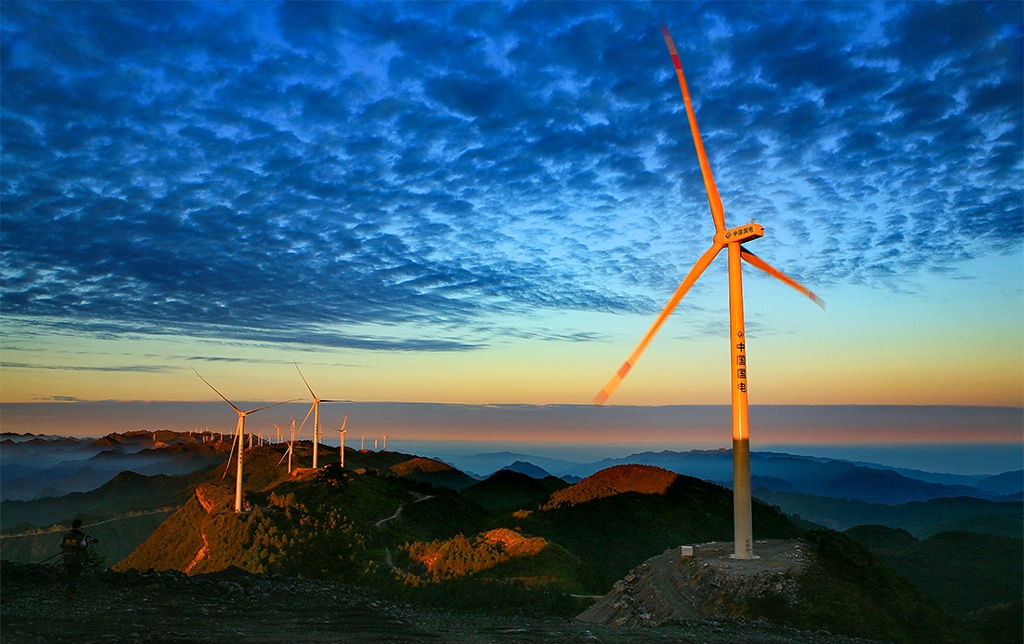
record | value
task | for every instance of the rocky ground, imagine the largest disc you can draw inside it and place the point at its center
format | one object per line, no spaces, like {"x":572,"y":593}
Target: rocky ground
{"x":673,"y":587}
{"x":233,"y":606}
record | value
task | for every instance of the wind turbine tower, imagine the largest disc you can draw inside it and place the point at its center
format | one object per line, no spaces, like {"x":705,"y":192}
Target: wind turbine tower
{"x":239,"y":438}
{"x":732,"y":240}
{"x":315,"y":410}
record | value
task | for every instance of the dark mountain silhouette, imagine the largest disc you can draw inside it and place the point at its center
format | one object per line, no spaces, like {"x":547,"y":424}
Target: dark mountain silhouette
{"x":15,"y":437}
{"x":122,"y":514}
{"x":508,"y":490}
{"x":801,"y":474}
{"x":57,"y":466}
{"x":21,"y":463}
{"x":483,"y":465}
{"x":525,"y":467}
{"x":922,"y":519}
{"x":126,"y":492}
{"x":1005,"y":484}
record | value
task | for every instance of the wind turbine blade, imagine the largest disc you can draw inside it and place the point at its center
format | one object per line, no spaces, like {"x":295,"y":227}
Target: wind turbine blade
{"x":286,"y":453}
{"x":779,"y":275}
{"x":343,"y":423}
{"x":714,"y":200}
{"x":304,"y":381}
{"x":227,"y":465}
{"x":283,"y":402}
{"x":218,"y":393}
{"x":695,"y":272}
{"x":303,"y":423}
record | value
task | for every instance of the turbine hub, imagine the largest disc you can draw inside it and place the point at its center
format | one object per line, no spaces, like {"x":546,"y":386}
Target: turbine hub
{"x":740,"y":234}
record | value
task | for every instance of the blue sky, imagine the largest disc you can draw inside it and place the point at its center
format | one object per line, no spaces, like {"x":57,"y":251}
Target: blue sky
{"x":489,"y":202}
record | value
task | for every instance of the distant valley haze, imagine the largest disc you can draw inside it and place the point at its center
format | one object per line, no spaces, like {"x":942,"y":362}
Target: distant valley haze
{"x":964,"y":440}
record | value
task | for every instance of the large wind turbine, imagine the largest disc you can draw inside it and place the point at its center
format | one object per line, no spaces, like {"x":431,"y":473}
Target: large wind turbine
{"x":239,"y":437}
{"x":315,"y":410}
{"x":731,"y":239}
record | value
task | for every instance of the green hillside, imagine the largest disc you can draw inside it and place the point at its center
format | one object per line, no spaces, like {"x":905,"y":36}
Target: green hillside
{"x":853,"y":592}
{"x":438,"y":513}
{"x":964,"y":571}
{"x":623,"y":528}
{"x":433,"y":472}
{"x":344,"y":524}
{"x":498,"y":554}
{"x":319,"y":528}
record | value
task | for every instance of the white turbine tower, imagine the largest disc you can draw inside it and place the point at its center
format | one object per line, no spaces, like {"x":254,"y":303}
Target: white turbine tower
{"x":384,"y":447}
{"x":239,"y":437}
{"x":731,"y":240}
{"x":315,"y":410}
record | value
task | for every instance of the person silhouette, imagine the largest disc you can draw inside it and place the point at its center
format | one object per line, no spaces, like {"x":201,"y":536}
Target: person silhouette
{"x":73,"y":546}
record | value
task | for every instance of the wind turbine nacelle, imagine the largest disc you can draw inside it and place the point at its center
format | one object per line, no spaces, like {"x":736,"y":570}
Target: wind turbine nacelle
{"x":740,"y":234}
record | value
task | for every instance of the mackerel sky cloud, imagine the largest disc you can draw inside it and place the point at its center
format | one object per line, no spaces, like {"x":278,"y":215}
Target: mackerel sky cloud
{"x":339,"y":181}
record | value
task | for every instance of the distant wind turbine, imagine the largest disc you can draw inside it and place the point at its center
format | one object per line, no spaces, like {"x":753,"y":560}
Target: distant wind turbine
{"x":341,"y":441}
{"x":315,"y":410}
{"x":731,"y":239}
{"x":291,"y":443}
{"x":239,"y":437}
{"x":384,"y":447}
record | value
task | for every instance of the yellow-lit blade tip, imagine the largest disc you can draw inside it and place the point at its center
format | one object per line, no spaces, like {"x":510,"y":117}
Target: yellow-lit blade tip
{"x":670,"y":306}
{"x":613,"y":384}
